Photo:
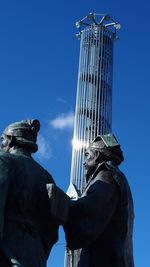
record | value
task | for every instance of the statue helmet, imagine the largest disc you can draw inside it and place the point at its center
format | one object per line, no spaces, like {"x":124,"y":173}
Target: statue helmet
{"x":109,"y":147}
{"x":25,"y":133}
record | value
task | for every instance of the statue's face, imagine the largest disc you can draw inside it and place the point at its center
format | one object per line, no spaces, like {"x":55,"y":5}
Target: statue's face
{"x":90,"y":161}
{"x":5,"y":143}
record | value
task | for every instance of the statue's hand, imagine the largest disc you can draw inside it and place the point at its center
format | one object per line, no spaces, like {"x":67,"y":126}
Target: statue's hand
{"x":72,"y":192}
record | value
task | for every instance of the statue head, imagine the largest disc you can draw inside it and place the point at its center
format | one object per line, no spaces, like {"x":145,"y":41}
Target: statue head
{"x":104,"y":148}
{"x":21,"y":135}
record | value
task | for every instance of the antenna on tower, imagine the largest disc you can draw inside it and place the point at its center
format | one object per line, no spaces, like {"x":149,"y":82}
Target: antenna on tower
{"x":97,"y":19}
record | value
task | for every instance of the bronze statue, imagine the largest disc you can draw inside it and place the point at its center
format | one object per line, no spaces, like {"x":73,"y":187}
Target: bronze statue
{"x":30,"y":202}
{"x":100,"y":222}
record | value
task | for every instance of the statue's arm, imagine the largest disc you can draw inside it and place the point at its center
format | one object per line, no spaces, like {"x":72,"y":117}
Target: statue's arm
{"x":94,"y":224}
{"x":90,"y":215}
{"x":98,"y":196}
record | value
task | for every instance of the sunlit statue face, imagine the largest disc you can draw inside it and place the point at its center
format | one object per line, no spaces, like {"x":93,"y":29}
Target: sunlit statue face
{"x":90,"y":162}
{"x":5,"y":143}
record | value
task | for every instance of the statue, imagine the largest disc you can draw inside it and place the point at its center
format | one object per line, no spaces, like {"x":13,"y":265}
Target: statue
{"x":100,"y":222}
{"x":31,"y":206}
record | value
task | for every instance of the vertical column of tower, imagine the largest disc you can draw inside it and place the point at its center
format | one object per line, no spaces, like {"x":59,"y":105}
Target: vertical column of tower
{"x":94,"y":96}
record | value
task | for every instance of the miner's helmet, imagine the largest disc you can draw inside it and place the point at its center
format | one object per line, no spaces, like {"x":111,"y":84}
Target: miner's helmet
{"x":25,"y":133}
{"x":109,"y":147}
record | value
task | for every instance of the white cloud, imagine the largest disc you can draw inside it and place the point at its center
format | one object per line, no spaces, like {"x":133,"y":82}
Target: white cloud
{"x":63,"y":121}
{"x":44,"y":149}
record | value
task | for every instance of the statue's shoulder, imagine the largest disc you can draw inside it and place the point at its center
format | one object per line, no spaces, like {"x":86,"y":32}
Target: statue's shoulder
{"x":7,"y":164}
{"x":118,"y":176}
{"x":44,"y":172}
{"x":5,"y":157}
{"x":104,"y":174}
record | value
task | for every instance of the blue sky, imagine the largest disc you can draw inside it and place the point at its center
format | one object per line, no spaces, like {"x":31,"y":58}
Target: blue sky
{"x":38,"y":75}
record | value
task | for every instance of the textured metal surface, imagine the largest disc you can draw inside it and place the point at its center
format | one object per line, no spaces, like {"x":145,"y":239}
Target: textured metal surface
{"x":93,"y":114}
{"x":94,"y":94}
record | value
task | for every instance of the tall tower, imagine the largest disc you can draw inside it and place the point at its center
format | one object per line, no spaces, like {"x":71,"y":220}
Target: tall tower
{"x":93,"y":113}
{"x":94,"y":89}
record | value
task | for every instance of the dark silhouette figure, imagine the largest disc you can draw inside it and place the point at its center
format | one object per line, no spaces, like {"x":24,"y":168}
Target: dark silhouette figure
{"x":28,"y":225}
{"x":100,"y":222}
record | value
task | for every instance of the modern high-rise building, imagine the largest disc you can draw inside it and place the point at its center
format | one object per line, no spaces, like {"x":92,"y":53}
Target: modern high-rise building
{"x":93,"y":114}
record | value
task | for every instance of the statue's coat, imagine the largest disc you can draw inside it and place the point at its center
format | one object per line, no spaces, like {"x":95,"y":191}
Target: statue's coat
{"x":100,"y":222}
{"x":26,"y":226}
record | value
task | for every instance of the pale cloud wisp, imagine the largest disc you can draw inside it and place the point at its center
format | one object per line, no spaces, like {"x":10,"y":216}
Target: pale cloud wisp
{"x":63,"y":121}
{"x":44,"y":149}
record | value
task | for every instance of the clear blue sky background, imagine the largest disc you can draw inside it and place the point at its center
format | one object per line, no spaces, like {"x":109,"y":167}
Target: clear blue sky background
{"x":38,"y":75}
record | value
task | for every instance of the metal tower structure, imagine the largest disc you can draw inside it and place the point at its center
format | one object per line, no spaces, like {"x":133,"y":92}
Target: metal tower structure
{"x":94,"y":89}
{"x":93,"y":113}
